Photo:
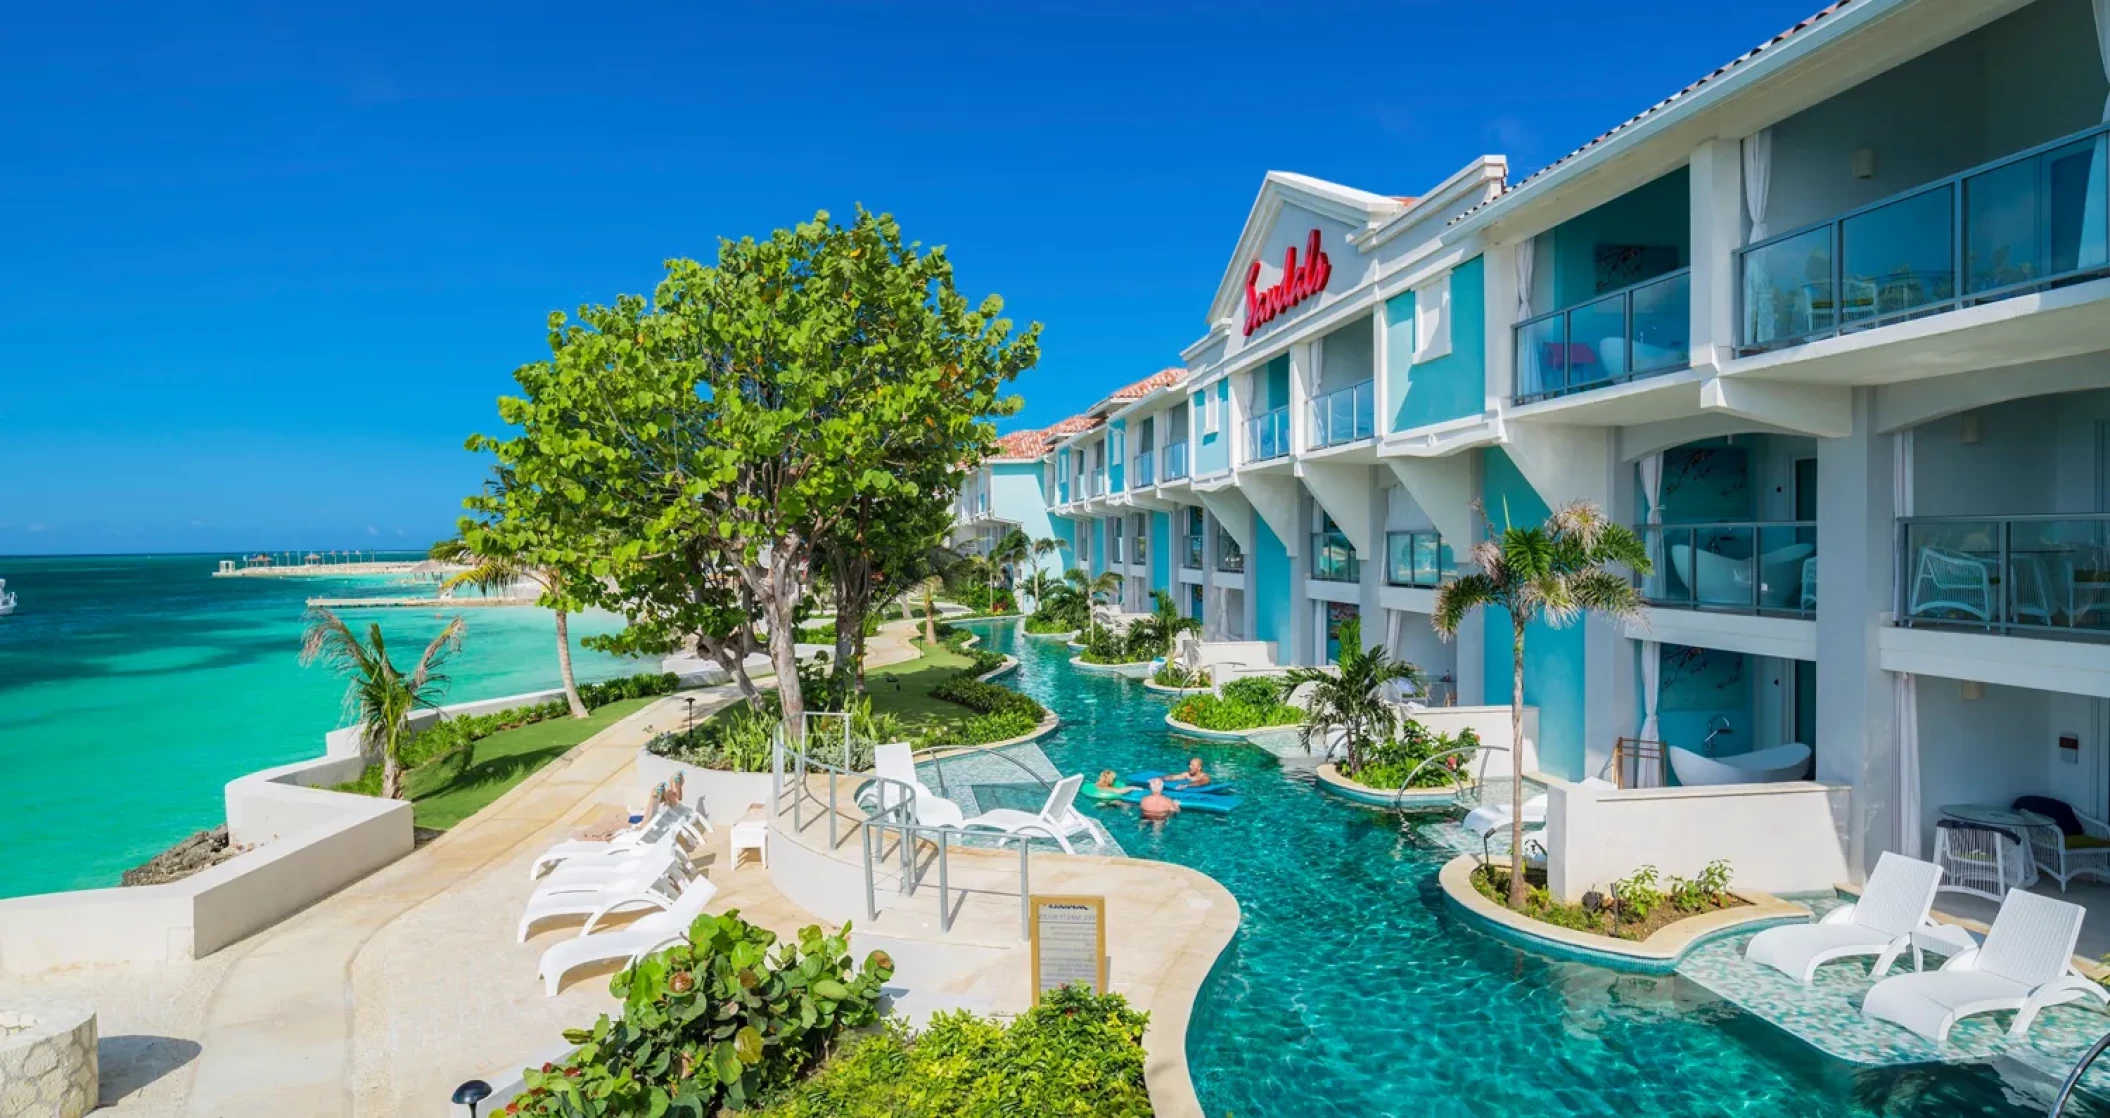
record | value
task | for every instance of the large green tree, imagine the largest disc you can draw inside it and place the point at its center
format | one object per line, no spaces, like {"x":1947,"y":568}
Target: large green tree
{"x":505,"y":548}
{"x":705,"y":444}
{"x":1556,"y":572}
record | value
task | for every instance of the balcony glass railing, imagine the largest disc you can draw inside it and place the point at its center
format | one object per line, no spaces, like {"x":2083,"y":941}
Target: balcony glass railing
{"x":1737,"y":566}
{"x":1140,"y":553}
{"x":1191,"y":552}
{"x":1634,"y":332}
{"x":2048,"y":574}
{"x":1228,"y":557}
{"x":1333,"y":558}
{"x":1098,"y":485}
{"x":1267,"y":435}
{"x":1143,"y":471}
{"x":2033,"y":220}
{"x":1176,"y":460}
{"x":1414,"y":558}
{"x":1344,"y":415}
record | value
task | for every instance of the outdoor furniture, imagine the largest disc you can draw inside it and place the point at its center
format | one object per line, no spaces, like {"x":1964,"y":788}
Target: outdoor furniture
{"x":1894,"y":905}
{"x":1057,"y":819}
{"x":592,"y":869}
{"x":1809,"y":583}
{"x":679,"y":818}
{"x":751,"y":833}
{"x":641,"y":937}
{"x":2068,"y":844}
{"x":896,"y":762}
{"x":2025,"y":964}
{"x":1953,"y":581}
{"x":1979,"y":860}
{"x":643,"y":887}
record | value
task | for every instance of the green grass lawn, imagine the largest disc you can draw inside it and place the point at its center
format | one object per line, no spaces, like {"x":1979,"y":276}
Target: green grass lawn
{"x":904,"y":689}
{"x":443,"y":793}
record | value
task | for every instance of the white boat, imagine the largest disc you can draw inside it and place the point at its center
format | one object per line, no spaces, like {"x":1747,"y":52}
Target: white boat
{"x":7,"y":600}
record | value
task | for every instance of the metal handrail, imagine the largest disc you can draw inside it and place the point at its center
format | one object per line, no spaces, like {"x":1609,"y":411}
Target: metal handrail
{"x":1362,"y":415}
{"x":2073,"y":1078}
{"x":1958,"y":251}
{"x":939,"y":763}
{"x":1657,"y":538}
{"x":1625,"y":296}
{"x":1458,"y":781}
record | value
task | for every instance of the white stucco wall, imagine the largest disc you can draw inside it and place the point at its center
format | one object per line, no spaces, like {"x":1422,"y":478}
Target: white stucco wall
{"x":1777,"y":838}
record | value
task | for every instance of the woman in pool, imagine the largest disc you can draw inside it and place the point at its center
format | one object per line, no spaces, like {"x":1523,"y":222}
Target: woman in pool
{"x":1107,"y":787}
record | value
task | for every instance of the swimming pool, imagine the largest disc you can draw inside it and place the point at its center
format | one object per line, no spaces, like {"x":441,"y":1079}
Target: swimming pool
{"x":1351,"y":990}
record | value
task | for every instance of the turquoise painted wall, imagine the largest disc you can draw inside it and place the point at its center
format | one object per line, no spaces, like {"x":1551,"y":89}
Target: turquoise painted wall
{"x":1161,"y":551}
{"x":1454,"y":385}
{"x":1699,"y":685}
{"x":1271,"y":581}
{"x":1015,"y":495}
{"x":1212,"y":452}
{"x":1553,"y":658}
{"x":1274,"y":386}
{"x":1655,"y":214}
{"x":1098,"y":546}
{"x":1117,"y":451}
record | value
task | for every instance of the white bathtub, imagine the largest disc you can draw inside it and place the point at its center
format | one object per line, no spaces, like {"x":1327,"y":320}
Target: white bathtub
{"x":1766,"y":766}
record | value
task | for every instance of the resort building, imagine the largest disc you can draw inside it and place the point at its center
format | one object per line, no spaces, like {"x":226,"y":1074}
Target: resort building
{"x":1836,"y":316}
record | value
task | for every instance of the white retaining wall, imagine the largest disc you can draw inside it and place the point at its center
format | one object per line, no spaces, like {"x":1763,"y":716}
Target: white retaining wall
{"x":1491,"y":725}
{"x":1788,"y":837}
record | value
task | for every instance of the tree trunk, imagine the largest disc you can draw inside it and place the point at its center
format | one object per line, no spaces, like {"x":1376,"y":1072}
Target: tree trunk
{"x":779,"y":603}
{"x":571,"y":682}
{"x":930,"y":622}
{"x":1516,"y":765}
{"x":850,"y":600}
{"x":391,"y":776}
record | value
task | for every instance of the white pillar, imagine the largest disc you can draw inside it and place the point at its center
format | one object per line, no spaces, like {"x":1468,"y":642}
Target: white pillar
{"x":1717,"y":192}
{"x":1856,"y":722}
{"x":1499,"y":274}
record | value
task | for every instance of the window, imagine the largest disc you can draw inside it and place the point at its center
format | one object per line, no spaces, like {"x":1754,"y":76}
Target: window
{"x":1212,"y":410}
{"x":1116,"y":443}
{"x":1432,"y":319}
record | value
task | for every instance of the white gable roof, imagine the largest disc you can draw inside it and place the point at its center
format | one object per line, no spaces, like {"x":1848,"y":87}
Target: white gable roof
{"x":1358,"y":209}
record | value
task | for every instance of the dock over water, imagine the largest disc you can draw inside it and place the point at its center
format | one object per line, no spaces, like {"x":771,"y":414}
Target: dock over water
{"x":416,"y":603}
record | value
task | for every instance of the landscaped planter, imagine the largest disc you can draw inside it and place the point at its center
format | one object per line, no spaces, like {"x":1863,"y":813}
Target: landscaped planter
{"x":1154,"y":685}
{"x":1047,"y":636}
{"x":1139,"y":669}
{"x":1658,"y":954}
{"x":1330,"y":778}
{"x":1191,"y":731}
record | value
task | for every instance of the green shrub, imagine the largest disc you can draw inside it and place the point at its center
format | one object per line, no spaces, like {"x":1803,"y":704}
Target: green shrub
{"x":1252,"y":690}
{"x":736,"y":740}
{"x":1003,"y":713}
{"x":1637,"y":894}
{"x":714,"y":1022}
{"x":1246,"y":704}
{"x":1388,"y":764}
{"x":454,"y":733}
{"x":1172,"y":675}
{"x":1051,"y":623}
{"x":1076,"y":1055}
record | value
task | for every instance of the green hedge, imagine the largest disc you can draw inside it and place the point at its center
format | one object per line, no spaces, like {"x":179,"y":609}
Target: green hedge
{"x":1246,"y":704}
{"x":1075,"y":1055}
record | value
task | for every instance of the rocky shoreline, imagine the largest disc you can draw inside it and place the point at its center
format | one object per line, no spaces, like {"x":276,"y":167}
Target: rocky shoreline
{"x":201,"y":851}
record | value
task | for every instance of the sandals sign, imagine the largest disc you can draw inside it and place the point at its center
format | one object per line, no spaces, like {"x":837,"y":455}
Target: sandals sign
{"x":1300,"y":281}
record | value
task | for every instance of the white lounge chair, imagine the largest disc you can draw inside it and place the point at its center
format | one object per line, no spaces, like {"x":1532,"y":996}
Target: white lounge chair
{"x":592,"y":870}
{"x":643,"y":936}
{"x":642,"y":887}
{"x":1486,"y":819}
{"x":1895,"y":904}
{"x":896,"y":762}
{"x":1057,"y":819}
{"x":684,"y":821}
{"x":2025,"y":964}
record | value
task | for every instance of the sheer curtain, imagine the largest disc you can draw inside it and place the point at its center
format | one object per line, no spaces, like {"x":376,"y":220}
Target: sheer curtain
{"x":1651,"y":470}
{"x":1758,"y":176}
{"x":1527,"y":356}
{"x":1905,"y":691}
{"x":1649,"y":776}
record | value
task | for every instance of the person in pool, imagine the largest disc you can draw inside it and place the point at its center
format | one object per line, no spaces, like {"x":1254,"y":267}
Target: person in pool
{"x":1194,"y":777}
{"x":1110,"y":786}
{"x":1157,"y":806}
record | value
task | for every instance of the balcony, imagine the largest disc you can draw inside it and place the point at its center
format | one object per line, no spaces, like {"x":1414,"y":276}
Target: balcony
{"x":1333,"y":558}
{"x":1097,"y":488}
{"x":1414,"y":558}
{"x":1635,"y":332}
{"x":1228,"y":558}
{"x":1191,"y":552}
{"x":1176,"y":460}
{"x":1113,"y":551}
{"x":2043,"y":575}
{"x":1267,"y":435}
{"x":2024,"y":223}
{"x":1762,"y":567}
{"x":1140,"y":553}
{"x":1143,"y":471}
{"x":1344,"y":415}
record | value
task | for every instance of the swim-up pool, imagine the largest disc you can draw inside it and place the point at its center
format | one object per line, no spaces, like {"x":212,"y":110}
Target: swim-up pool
{"x":1351,"y":990}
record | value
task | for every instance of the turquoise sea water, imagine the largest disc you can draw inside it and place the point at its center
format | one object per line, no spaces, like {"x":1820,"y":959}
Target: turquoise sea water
{"x":133,"y":688}
{"x":1350,"y":990}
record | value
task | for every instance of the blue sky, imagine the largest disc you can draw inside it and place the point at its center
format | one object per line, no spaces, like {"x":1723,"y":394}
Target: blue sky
{"x":267,"y":265}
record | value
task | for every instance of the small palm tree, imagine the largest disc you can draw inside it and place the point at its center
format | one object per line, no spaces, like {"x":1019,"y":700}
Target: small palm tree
{"x":1349,"y":698}
{"x":1010,"y":552}
{"x":1158,"y":632}
{"x":379,"y":695}
{"x":926,"y":592}
{"x":1098,"y":593}
{"x":1555,"y":572}
{"x":499,"y":572}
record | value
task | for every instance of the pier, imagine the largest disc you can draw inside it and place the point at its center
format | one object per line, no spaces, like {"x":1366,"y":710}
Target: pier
{"x":416,"y":603}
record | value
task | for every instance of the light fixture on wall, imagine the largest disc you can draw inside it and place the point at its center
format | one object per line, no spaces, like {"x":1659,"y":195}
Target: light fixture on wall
{"x":1864,"y":163}
{"x":1970,"y":690}
{"x":1969,"y":430}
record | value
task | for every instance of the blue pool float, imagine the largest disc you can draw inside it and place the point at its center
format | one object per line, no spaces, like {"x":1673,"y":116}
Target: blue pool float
{"x":1203,"y":801}
{"x":1213,"y":788}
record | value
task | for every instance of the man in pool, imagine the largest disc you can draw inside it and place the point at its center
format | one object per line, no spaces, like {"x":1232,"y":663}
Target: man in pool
{"x":1157,"y":806}
{"x":1194,"y":777}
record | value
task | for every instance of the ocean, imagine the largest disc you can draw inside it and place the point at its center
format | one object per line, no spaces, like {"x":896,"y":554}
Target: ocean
{"x":133,"y":688}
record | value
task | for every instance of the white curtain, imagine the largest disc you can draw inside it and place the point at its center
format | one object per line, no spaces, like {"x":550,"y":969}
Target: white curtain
{"x":1905,"y":689}
{"x":1527,"y":356}
{"x":1758,"y":176}
{"x":1649,"y":776}
{"x":1901,"y":495}
{"x":1651,"y":469}
{"x":1395,"y":621}
{"x":2102,"y":44}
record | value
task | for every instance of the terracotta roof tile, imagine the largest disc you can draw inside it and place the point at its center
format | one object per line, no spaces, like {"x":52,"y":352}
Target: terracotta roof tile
{"x":1022,"y":444}
{"x":1161,"y":379}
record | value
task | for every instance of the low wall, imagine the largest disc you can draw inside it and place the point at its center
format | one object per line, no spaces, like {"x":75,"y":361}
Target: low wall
{"x":1789,"y":837}
{"x":722,"y":797}
{"x":1491,"y":725}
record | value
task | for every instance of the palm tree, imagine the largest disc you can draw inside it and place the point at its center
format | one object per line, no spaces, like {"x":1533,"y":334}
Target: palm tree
{"x":1039,"y":579}
{"x":1010,"y":552}
{"x":1161,"y":629}
{"x":1098,"y":592}
{"x":501,"y":572}
{"x":1555,"y":572}
{"x":927,"y":592}
{"x":378,"y":695}
{"x":1349,"y":698}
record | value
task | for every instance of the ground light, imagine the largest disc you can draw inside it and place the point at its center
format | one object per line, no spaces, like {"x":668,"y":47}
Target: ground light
{"x":471,"y":1093}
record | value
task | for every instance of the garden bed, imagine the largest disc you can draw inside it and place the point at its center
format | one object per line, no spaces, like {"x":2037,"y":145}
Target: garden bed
{"x":1331,"y":779}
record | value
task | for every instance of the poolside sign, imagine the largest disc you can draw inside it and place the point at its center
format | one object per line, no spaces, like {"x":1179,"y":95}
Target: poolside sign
{"x":1069,"y":942}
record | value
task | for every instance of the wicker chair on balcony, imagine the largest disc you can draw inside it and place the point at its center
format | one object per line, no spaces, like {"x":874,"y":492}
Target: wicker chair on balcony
{"x":1945,"y":581}
{"x":1979,"y":860}
{"x":2075,"y":844}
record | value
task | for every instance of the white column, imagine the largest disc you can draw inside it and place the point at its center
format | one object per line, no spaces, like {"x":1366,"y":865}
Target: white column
{"x":1856,"y":707}
{"x":1717,"y":193}
{"x":1303,"y":383}
{"x":1499,"y":273}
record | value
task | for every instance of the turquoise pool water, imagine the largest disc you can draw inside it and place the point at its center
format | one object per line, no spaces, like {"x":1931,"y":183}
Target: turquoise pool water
{"x":1351,"y":991}
{"x":133,"y":688}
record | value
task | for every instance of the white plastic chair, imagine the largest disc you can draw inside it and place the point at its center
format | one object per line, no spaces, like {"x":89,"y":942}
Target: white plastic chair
{"x":685,"y":821}
{"x":642,"y":888}
{"x":1057,"y":819}
{"x":896,"y":762}
{"x":1979,"y":860}
{"x":641,"y":937}
{"x":2025,"y":964}
{"x":1894,"y":905}
{"x":1950,"y":580}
